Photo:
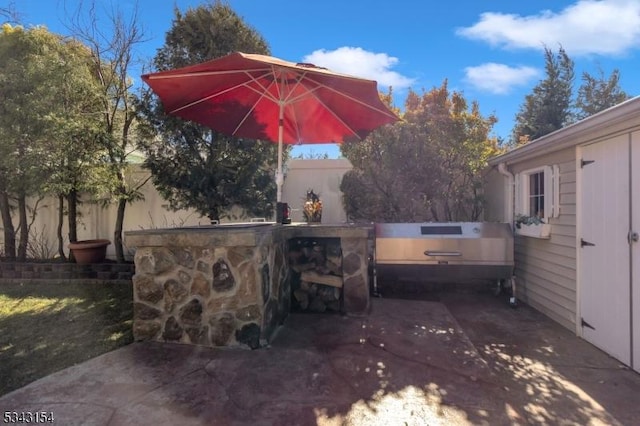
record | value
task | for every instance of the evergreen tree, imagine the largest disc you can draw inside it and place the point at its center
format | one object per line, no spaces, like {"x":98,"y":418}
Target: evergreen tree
{"x":193,"y":166}
{"x":599,"y":93}
{"x":48,"y":132}
{"x":548,"y":107}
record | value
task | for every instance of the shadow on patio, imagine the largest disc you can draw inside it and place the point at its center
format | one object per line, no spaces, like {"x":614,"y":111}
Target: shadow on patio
{"x":409,"y":362}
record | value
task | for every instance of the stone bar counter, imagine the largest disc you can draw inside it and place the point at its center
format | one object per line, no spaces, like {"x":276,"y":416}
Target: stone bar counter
{"x":229,"y":285}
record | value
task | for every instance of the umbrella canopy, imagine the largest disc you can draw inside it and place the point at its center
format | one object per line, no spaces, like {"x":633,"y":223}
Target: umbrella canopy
{"x":262,"y":97}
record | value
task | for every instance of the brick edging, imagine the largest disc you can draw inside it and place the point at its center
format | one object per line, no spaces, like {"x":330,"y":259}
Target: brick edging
{"x":65,"y":271}
{"x":54,"y":281}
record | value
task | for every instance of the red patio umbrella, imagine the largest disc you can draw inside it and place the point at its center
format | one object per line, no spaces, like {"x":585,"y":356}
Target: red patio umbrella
{"x":266,"y":98}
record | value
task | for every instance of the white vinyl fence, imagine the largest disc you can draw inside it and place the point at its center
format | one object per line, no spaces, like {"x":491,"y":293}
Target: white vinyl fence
{"x":94,"y":221}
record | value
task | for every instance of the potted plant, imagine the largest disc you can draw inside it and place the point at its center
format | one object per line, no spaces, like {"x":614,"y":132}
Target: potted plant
{"x":532,"y":226}
{"x":312,"y":208}
{"x":89,"y":251}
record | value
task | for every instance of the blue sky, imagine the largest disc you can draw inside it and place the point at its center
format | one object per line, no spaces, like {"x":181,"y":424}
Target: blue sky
{"x":491,"y":51}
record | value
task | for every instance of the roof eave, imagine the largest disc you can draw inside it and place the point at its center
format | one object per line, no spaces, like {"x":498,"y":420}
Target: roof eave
{"x":573,"y":134}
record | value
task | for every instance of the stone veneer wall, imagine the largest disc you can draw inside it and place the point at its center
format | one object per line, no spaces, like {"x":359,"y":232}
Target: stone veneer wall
{"x":355,"y":275}
{"x":212,"y":296}
{"x":224,"y":287}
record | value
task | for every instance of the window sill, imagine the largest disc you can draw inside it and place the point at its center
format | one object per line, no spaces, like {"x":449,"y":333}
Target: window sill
{"x":542,"y":231}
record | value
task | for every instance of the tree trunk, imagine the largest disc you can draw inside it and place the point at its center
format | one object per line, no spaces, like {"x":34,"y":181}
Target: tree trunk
{"x":117,"y":234}
{"x":434,"y":213}
{"x":60,"y":224}
{"x":24,"y":228}
{"x":7,"y":224}
{"x":214,"y":215}
{"x":447,"y":209}
{"x":72,"y":202}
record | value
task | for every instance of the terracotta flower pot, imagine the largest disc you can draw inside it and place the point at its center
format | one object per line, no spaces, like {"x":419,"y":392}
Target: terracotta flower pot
{"x":89,"y":251}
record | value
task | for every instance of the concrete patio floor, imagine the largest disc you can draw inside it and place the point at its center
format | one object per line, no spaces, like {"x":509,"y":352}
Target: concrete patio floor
{"x":455,"y":359}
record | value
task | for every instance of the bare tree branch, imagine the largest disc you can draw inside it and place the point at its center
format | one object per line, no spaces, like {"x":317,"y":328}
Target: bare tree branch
{"x":10,"y":14}
{"x":113,"y":49}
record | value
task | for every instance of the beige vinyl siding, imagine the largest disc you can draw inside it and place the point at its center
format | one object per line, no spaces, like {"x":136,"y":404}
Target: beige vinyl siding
{"x":545,"y":270}
{"x":495,"y":194}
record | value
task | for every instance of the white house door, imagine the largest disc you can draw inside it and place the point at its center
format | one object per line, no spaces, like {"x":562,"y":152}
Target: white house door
{"x":606,"y":268}
{"x":635,"y":248}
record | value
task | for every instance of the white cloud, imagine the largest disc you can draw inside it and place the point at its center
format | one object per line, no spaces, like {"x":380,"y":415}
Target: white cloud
{"x":605,"y":27}
{"x":361,"y":63}
{"x":499,"y":78}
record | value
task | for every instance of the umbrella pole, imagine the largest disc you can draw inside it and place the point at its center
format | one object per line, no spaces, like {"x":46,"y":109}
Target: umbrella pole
{"x":279,"y":175}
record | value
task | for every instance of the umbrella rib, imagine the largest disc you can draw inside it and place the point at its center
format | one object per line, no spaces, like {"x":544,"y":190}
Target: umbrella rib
{"x":229,"y":89}
{"x":312,"y":91}
{"x":203,"y":73}
{"x":319,"y":85}
{"x":351,"y":98}
{"x":253,"y":107}
{"x":206,"y":98}
{"x":336,"y":117}
{"x":263,"y":94}
{"x":265,"y":89}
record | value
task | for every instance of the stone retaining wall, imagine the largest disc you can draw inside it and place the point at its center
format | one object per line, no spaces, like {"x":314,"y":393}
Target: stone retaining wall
{"x":65,"y":271}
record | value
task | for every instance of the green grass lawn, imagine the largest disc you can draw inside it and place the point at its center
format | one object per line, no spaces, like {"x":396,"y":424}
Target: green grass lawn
{"x":47,"y":327}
